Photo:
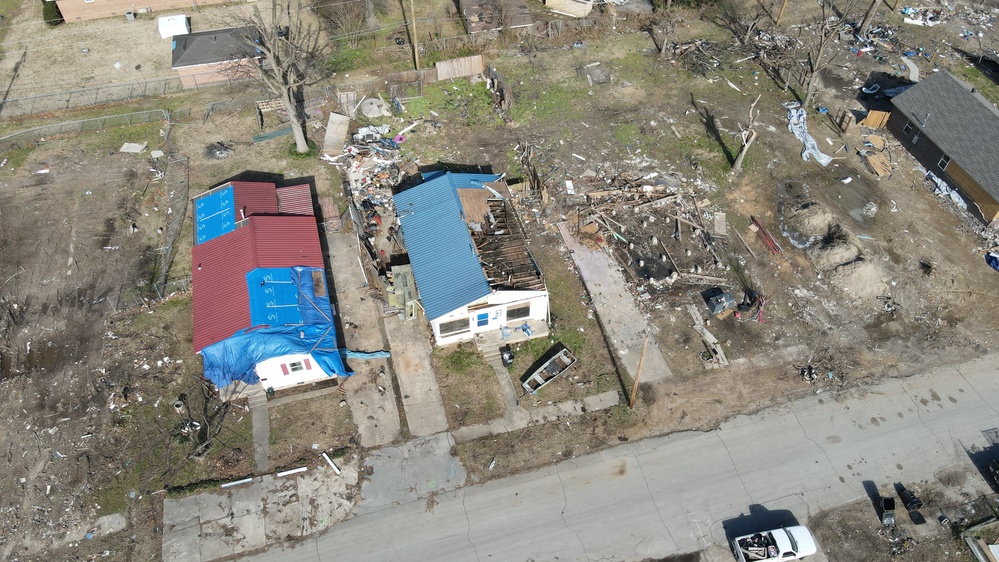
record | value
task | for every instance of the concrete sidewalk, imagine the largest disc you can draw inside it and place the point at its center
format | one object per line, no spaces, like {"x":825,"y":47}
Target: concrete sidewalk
{"x":421,"y":396}
{"x":622,"y":320}
{"x":404,"y":473}
{"x":260,"y":420}
{"x":246,"y":518}
{"x":370,"y":395}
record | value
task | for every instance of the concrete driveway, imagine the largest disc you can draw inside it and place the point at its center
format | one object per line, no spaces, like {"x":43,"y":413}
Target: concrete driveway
{"x":675,"y":494}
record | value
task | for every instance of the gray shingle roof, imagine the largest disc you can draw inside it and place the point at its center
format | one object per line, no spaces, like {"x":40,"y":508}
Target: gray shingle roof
{"x":960,"y":121}
{"x":206,"y":47}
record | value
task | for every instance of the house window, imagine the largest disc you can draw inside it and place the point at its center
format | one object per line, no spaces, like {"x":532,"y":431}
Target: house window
{"x":296,"y":366}
{"x":944,"y":160}
{"x":454,"y":327}
{"x":519,"y":312}
{"x":482,"y":319}
{"x":907,"y":129}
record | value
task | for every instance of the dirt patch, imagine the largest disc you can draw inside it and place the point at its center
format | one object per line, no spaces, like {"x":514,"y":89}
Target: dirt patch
{"x":861,"y":279}
{"x":853,"y":533}
{"x":304,"y":428}
{"x":543,"y":444}
{"x":468,"y":385}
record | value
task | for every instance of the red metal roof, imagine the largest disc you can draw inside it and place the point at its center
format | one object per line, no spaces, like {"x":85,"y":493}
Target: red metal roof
{"x":254,"y":198}
{"x":219,"y":268}
{"x":295,"y":200}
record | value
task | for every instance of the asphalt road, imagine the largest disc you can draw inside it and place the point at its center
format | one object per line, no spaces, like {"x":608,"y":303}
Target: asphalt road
{"x":677,"y":494}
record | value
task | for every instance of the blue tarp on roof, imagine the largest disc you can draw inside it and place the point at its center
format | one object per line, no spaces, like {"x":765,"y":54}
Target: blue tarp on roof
{"x":286,"y":296}
{"x":314,"y":306}
{"x":234,"y":359}
{"x":445,"y":264}
{"x":273,"y":297}
{"x":214,"y":215}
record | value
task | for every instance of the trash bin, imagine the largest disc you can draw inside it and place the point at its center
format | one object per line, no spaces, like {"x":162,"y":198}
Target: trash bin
{"x":129,"y":16}
{"x":506,"y":355}
{"x":887,"y":511}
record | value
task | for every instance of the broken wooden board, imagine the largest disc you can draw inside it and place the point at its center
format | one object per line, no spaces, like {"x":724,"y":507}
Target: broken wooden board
{"x":336,"y":134}
{"x":721,"y":227}
{"x":874,"y":141}
{"x":875,"y":119}
{"x":877,"y":163}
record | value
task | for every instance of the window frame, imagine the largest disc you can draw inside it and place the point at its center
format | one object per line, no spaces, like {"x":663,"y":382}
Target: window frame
{"x":296,"y":366}
{"x":943,"y":162}
{"x":445,"y":332}
{"x":512,"y":313}
{"x":907,"y":129}
{"x":482,"y":320}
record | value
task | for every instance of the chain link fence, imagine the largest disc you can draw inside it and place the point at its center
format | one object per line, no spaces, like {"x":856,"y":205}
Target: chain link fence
{"x":87,"y":97}
{"x":88,"y":125}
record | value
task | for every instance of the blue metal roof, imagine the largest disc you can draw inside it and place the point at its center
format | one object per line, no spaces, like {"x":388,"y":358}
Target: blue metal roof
{"x":214,"y":214}
{"x":445,"y":264}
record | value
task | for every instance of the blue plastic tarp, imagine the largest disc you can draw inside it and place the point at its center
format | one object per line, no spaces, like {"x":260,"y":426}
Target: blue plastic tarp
{"x":351,"y":354}
{"x":314,"y":308}
{"x":287,"y":296}
{"x":235,"y":358}
{"x":992,"y":259}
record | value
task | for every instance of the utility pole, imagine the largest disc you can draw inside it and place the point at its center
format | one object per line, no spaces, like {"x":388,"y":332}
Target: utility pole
{"x":780,"y":14}
{"x":416,"y":40}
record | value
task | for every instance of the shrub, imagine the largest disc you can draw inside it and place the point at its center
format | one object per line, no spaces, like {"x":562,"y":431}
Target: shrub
{"x":294,"y":153}
{"x":51,"y":13}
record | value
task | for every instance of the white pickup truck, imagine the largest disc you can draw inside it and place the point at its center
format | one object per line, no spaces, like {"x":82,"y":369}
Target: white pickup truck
{"x":786,"y":543}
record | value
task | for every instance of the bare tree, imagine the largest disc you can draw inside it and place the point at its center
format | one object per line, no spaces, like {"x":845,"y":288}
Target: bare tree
{"x":868,"y":16}
{"x":294,"y":52}
{"x":496,"y":13}
{"x":819,"y":55}
{"x":748,"y":135}
{"x":660,"y":27}
{"x":347,"y":19}
{"x":738,"y":18}
{"x":369,"y":14}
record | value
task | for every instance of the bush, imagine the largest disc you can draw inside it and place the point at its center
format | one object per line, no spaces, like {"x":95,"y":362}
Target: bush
{"x":51,"y":13}
{"x":294,"y":153}
{"x":345,"y":59}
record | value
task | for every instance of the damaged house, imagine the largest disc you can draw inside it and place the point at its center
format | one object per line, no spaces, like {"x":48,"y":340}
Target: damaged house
{"x":953,"y":132}
{"x":468,"y":252}
{"x":262,"y":310}
{"x":494,"y":15}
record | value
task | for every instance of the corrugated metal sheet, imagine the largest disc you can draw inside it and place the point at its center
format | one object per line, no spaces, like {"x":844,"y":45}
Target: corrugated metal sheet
{"x":219,"y":268}
{"x":457,"y":68}
{"x":295,"y":200}
{"x":217,"y":211}
{"x":254,"y":198}
{"x":445,"y":264}
{"x":286,"y":241}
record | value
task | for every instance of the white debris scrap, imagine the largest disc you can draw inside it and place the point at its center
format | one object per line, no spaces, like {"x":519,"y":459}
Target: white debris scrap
{"x":796,"y":124}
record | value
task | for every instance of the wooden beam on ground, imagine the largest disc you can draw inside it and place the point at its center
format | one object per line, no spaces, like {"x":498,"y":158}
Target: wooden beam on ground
{"x":743,"y":240}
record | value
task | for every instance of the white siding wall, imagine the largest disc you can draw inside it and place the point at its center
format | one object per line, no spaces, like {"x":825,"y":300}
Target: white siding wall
{"x":284,"y":372}
{"x":493,"y":316}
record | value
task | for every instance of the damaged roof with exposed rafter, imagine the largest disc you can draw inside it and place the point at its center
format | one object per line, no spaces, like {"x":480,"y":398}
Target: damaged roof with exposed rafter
{"x":494,"y":15}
